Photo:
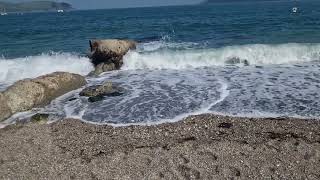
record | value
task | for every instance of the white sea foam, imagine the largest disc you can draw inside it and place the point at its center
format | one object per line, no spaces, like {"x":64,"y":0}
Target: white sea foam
{"x":168,"y":95}
{"x":29,"y":67}
{"x":202,"y":110}
{"x":257,"y":54}
{"x":158,"y":45}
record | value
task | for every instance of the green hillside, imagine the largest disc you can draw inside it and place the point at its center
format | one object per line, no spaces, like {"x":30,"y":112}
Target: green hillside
{"x":34,"y":6}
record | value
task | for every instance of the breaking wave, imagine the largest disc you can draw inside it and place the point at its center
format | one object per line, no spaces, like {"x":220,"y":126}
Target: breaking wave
{"x":256,"y":54}
{"x":29,"y":67}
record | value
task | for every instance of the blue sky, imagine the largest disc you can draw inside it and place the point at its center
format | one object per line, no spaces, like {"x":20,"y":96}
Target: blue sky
{"x":97,"y":4}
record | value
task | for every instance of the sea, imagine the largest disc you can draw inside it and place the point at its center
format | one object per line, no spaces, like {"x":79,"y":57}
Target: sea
{"x":246,"y":59}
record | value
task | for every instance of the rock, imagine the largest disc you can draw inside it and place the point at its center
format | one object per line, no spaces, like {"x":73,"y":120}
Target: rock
{"x":102,"y":67}
{"x":40,"y":118}
{"x":98,"y":92}
{"x":107,"y":55}
{"x":237,"y":60}
{"x":29,"y":93}
{"x":95,"y":98}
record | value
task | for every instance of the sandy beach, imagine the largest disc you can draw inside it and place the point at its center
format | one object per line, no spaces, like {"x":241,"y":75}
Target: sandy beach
{"x":199,"y":147}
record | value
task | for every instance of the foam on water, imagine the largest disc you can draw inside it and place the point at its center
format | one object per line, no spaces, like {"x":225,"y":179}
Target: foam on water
{"x":159,"y":96}
{"x":163,"y":45}
{"x":165,"y":84}
{"x":256,"y":54}
{"x":153,"y":96}
{"x":282,"y":90}
{"x":12,"y":70}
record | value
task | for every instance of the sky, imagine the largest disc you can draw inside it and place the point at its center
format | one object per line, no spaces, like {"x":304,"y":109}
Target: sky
{"x":101,"y":4}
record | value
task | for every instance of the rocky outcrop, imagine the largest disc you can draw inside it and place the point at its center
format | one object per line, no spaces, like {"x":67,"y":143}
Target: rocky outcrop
{"x":29,"y":93}
{"x":107,"y":55}
{"x":98,"y":92}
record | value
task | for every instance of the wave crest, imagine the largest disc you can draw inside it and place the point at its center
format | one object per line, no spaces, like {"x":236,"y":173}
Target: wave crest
{"x":29,"y":67}
{"x":257,"y":54}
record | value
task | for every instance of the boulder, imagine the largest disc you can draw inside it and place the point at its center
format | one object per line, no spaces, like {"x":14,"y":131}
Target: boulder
{"x":29,"y":93}
{"x":98,"y":92}
{"x":107,"y":55}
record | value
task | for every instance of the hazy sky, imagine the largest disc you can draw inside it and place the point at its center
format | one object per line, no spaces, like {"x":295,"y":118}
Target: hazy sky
{"x":94,"y":4}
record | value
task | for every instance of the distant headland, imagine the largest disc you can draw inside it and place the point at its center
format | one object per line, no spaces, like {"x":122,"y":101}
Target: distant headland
{"x":34,"y":6}
{"x":225,"y":1}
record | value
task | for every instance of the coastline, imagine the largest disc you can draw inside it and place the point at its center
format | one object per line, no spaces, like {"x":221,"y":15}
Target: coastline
{"x":198,"y":147}
{"x":135,"y":102}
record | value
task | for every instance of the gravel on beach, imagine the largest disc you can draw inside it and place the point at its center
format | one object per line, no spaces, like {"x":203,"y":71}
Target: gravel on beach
{"x":199,"y":147}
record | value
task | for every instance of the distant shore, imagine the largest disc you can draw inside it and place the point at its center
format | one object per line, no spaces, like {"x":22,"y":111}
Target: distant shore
{"x":22,"y":7}
{"x":199,"y":147}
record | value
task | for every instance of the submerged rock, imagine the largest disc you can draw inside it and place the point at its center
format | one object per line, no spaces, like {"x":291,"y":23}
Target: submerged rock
{"x":98,"y":92}
{"x":103,"y":67}
{"x":237,"y":60}
{"x":95,"y":98}
{"x":29,"y":93}
{"x":107,"y":55}
{"x":40,"y":118}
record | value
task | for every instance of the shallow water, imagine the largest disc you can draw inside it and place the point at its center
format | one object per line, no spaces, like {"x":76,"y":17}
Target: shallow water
{"x":155,"y":95}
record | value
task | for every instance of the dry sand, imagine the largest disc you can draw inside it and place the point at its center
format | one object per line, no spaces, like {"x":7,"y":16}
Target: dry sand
{"x":199,"y":147}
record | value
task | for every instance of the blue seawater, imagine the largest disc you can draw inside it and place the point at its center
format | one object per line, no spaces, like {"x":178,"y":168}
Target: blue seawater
{"x":243,"y":59}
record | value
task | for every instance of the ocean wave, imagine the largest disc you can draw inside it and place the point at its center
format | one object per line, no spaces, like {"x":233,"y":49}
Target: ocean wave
{"x":12,"y":70}
{"x":163,"y":45}
{"x":255,"y":54}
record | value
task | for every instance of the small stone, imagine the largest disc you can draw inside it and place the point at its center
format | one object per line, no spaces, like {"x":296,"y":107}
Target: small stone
{"x":72,"y":99}
{"x":225,"y":125}
{"x":40,"y":118}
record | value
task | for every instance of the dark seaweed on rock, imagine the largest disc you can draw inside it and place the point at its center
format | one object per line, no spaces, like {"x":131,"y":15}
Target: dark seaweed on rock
{"x":107,"y":55}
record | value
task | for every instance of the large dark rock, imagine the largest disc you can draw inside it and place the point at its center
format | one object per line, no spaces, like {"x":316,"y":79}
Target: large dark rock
{"x":107,"y":55}
{"x":29,"y":93}
{"x":98,"y":92}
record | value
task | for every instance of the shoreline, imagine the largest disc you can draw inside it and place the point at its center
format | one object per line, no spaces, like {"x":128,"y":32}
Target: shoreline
{"x":199,"y":147}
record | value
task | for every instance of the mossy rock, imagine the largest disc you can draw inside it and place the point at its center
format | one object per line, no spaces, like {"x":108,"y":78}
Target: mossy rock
{"x":99,"y":92}
{"x":40,"y":118}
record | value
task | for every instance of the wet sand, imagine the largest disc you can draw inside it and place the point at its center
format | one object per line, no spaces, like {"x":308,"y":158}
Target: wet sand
{"x":199,"y":147}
